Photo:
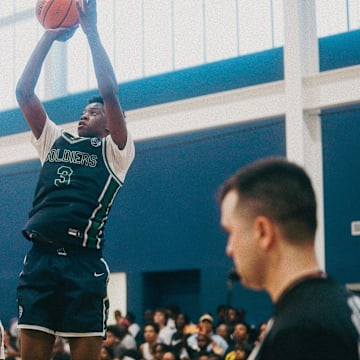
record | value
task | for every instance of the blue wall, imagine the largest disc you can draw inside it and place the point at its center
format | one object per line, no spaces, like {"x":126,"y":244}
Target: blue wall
{"x":166,"y":217}
{"x":341,"y":151}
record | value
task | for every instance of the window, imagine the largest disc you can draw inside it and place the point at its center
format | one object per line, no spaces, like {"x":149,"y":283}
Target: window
{"x":148,"y":37}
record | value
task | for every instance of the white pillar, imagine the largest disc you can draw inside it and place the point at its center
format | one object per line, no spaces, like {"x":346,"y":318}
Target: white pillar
{"x":303,"y":130}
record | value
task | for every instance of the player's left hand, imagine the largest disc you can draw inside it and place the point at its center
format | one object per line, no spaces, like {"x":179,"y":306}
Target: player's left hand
{"x":87,"y":15}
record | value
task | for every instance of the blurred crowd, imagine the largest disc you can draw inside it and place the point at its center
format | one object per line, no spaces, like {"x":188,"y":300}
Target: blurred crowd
{"x":164,"y":334}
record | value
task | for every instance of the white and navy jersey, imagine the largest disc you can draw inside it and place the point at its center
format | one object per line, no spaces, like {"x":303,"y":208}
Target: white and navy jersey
{"x":78,"y":182}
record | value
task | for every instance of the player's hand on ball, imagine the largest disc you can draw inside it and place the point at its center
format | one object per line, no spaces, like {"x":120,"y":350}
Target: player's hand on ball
{"x":87,"y":15}
{"x":63,"y":34}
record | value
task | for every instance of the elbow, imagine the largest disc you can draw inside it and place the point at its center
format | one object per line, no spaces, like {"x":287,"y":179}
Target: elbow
{"x":23,"y":95}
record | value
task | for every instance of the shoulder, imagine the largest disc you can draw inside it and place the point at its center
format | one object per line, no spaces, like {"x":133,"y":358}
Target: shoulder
{"x":307,"y":342}
{"x":192,"y":338}
{"x":219,"y":340}
{"x":120,"y":159}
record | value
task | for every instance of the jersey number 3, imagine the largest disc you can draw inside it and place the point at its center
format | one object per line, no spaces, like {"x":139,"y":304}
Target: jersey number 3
{"x":64,"y":178}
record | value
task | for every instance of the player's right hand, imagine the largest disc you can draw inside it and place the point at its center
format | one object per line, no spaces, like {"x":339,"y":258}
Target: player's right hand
{"x":62,"y":34}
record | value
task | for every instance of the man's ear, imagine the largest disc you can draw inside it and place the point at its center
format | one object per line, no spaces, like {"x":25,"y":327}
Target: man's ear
{"x":264,"y":230}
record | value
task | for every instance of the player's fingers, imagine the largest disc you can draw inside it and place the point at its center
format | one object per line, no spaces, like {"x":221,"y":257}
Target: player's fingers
{"x":80,"y":5}
{"x":90,"y":4}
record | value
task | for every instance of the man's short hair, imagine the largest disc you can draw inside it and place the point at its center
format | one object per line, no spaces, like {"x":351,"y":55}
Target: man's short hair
{"x":279,"y":190}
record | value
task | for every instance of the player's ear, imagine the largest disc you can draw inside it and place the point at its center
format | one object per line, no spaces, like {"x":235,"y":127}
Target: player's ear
{"x":264,"y":231}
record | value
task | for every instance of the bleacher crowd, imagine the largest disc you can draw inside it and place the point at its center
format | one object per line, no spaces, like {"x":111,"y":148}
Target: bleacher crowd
{"x":165,"y":334}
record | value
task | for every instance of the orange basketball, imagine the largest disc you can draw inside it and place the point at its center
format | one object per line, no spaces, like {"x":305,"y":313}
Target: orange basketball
{"x":53,"y":14}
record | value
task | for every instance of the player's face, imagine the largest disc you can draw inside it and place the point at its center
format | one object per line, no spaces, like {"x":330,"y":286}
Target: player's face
{"x":241,"y":244}
{"x":92,"y":121}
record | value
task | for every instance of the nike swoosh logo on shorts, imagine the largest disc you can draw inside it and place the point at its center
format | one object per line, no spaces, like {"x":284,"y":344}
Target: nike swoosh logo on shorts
{"x":98,"y":274}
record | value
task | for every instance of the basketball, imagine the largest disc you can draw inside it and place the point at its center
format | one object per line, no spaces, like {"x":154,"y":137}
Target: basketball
{"x":53,"y":14}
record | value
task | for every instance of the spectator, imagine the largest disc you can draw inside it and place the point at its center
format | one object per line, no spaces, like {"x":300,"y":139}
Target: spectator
{"x":2,"y":341}
{"x":203,"y":344}
{"x":11,"y":350}
{"x":112,"y":340}
{"x":171,"y":312}
{"x":221,"y":311}
{"x":241,"y":333}
{"x":202,"y":355}
{"x":132,"y":355}
{"x":223,"y":331}
{"x":159,"y":350}
{"x":240,"y":352}
{"x":126,"y":341}
{"x":148,"y":316}
{"x":165,"y":333}
{"x":59,"y":352}
{"x":217,"y":344}
{"x":106,"y":353}
{"x":260,"y":332}
{"x":178,"y":340}
{"x":151,"y":333}
{"x":134,"y":327}
{"x":169,"y":355}
{"x":233,"y":316}
{"x":120,"y":319}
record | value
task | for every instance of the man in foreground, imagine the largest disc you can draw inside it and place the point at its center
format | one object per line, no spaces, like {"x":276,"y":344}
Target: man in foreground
{"x":268,"y":209}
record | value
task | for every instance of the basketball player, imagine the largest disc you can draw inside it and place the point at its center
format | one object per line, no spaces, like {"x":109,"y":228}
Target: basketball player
{"x":268,"y":210}
{"x":62,"y":287}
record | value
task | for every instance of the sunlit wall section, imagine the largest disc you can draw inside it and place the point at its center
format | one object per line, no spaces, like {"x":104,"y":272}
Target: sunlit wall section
{"x":188,"y":28}
{"x":6,"y":64}
{"x":336,"y":16}
{"x":128,"y":39}
{"x":220,"y":30}
{"x":255,"y":26}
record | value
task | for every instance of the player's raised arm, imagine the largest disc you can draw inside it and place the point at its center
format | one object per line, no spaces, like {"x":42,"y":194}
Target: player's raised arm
{"x":104,"y":72}
{"x":29,"y":103}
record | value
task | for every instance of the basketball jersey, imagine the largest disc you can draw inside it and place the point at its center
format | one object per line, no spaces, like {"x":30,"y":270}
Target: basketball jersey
{"x":76,"y":187}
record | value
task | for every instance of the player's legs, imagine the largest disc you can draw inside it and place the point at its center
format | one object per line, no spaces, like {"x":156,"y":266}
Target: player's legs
{"x":85,"y":348}
{"x":36,"y":345}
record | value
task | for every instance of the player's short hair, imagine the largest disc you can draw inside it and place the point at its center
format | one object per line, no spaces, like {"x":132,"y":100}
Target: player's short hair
{"x":279,"y":190}
{"x":99,"y":99}
{"x":96,"y":99}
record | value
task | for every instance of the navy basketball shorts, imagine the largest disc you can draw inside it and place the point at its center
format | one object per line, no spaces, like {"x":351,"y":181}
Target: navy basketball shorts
{"x":63,"y":291}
